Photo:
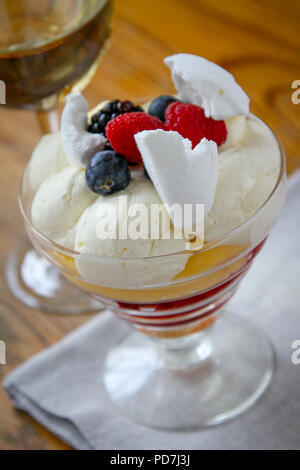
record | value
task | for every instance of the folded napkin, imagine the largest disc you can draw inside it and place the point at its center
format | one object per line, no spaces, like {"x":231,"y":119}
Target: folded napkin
{"x":62,"y":389}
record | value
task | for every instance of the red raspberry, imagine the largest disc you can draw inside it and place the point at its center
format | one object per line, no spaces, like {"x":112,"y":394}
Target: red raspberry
{"x":190,"y":121}
{"x":121,"y":130}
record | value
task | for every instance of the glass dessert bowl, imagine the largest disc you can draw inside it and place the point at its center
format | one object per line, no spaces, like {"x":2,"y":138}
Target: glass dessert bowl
{"x":183,"y":365}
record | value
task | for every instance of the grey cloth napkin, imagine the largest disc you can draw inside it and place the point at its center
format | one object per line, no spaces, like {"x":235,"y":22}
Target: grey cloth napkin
{"x":61,"y":387}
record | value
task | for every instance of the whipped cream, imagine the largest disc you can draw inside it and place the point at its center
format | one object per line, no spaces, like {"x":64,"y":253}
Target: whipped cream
{"x":236,"y":128}
{"x":58,"y":204}
{"x":247,"y":174}
{"x":208,"y":85}
{"x":90,"y":240}
{"x":48,"y":159}
{"x":79,"y":144}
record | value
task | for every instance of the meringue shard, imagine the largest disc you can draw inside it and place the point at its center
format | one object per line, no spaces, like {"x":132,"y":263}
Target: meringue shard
{"x":79,"y":145}
{"x":208,"y":85}
{"x":181,"y":175}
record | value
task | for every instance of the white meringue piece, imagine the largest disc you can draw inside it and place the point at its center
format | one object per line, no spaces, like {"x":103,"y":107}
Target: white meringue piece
{"x":180,"y":175}
{"x":208,"y":85}
{"x":79,"y":144}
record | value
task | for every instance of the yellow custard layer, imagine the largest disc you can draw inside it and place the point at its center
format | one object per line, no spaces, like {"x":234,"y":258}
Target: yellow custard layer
{"x":196,"y":265}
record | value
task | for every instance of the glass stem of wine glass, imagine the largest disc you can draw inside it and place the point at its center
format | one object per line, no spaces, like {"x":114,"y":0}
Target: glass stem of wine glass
{"x":48,"y":120}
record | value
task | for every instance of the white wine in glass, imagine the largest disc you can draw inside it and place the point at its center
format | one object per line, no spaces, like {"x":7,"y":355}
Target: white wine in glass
{"x":48,"y":48}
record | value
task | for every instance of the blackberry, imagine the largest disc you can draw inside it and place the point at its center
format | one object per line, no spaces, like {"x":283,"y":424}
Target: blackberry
{"x":110,"y":111}
{"x":107,"y":173}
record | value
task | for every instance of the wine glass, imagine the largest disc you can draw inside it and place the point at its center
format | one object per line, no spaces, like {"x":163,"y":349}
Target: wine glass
{"x":185,"y":364}
{"x":48,"y":48}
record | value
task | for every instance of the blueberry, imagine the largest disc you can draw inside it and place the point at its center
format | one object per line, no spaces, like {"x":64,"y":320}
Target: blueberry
{"x":159,"y":105}
{"x":107,"y":173}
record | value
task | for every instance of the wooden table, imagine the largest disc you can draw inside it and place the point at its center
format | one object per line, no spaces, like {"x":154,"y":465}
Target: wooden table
{"x":257,"y":40}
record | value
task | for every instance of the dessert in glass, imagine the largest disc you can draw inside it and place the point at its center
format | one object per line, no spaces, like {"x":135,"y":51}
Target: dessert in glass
{"x":184,"y":364}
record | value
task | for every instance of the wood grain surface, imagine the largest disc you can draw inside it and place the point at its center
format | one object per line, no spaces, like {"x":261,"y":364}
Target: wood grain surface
{"x":257,"y":40}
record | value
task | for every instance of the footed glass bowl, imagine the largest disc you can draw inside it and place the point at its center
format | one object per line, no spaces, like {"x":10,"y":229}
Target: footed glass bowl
{"x":184,"y":364}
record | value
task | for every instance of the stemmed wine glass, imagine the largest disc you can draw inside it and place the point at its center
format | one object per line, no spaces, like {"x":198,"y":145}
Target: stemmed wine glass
{"x":48,"y":48}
